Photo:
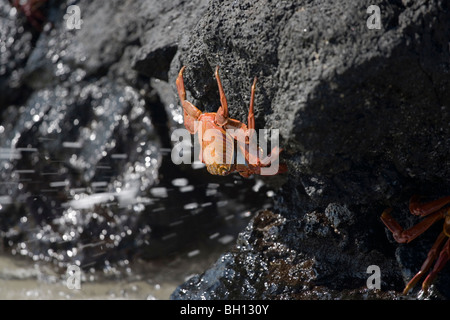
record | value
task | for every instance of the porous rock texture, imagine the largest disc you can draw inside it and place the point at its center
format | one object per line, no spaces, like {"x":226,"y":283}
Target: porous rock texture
{"x":364,"y":121}
{"x":363,"y":115}
{"x":86,"y":175}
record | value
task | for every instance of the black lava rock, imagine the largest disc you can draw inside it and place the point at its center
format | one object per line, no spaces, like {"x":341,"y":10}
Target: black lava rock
{"x":363,"y":114}
{"x":86,"y":175}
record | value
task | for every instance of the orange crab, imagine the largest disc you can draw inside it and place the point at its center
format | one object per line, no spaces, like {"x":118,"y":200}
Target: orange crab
{"x":213,"y":154}
{"x":433,"y":211}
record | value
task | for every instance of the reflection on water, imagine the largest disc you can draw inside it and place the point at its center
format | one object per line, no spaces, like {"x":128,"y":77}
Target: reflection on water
{"x":23,"y":279}
{"x":20,"y":280}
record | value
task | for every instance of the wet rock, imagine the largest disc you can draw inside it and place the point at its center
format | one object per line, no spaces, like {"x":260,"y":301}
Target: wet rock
{"x":165,"y":23}
{"x":344,"y":97}
{"x":168,"y":20}
{"x":85,"y":171}
{"x":16,"y":44}
{"x":149,"y":57}
{"x":363,"y":115}
{"x":272,"y":260}
{"x":72,"y":155}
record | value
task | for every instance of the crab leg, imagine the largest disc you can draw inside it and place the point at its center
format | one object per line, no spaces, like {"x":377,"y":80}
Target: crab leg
{"x":222,"y":112}
{"x":250,"y":129}
{"x":180,"y":85}
{"x":251,"y":115}
{"x":405,"y":236}
{"x":222,"y":116}
{"x":191,"y":113}
{"x":432,"y":254}
{"x":440,"y":263}
{"x":423,"y":209}
{"x":251,"y":126}
{"x":275,"y":153}
{"x":222,"y":119}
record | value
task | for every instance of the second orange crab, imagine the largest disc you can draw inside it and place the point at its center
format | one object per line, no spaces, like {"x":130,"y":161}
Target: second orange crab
{"x":213,"y":154}
{"x":433,"y":211}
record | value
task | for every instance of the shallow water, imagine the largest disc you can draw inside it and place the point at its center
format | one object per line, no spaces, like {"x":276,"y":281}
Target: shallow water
{"x":22,"y":279}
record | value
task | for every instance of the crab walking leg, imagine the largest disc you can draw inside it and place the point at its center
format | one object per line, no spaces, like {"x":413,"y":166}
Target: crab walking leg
{"x":251,"y":114}
{"x":251,"y":151}
{"x":440,"y":263}
{"x":222,"y":118}
{"x":405,"y":236}
{"x":222,"y":112}
{"x":423,"y":209}
{"x":245,"y":134}
{"x":247,"y":145}
{"x":180,"y":85}
{"x":432,"y":254}
{"x":190,"y":122}
{"x":191,"y":113}
{"x":274,"y":154}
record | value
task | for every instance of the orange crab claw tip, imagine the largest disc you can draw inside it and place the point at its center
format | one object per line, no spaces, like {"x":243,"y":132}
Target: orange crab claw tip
{"x":405,"y":291}
{"x":414,"y":281}
{"x":180,"y":74}
{"x":425,"y":288}
{"x":428,"y":281}
{"x":409,"y":286}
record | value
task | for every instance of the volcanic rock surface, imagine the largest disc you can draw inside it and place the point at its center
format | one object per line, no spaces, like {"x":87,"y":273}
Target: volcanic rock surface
{"x":363,"y":116}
